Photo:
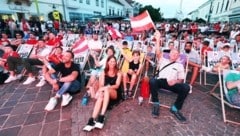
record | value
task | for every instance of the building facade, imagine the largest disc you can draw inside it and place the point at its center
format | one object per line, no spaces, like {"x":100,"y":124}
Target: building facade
{"x":218,"y":11}
{"x":69,"y":10}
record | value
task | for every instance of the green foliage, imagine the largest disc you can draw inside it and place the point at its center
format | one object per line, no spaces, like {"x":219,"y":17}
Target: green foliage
{"x":155,"y":14}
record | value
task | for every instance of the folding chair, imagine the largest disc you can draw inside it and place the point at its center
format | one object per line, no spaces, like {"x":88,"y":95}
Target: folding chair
{"x":183,"y":59}
{"x":82,"y":59}
{"x":210,"y":60}
{"x":24,"y":50}
{"x":124,"y":69}
{"x":224,"y":97}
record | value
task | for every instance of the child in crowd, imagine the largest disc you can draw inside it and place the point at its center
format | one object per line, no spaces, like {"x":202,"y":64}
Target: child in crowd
{"x":132,"y":73}
{"x":224,"y":63}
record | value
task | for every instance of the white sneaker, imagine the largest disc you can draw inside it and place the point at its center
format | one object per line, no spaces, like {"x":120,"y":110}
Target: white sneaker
{"x":90,"y":125}
{"x":190,"y":91}
{"x":10,"y":79}
{"x":51,"y":104}
{"x":29,"y":80}
{"x":41,"y":83}
{"x":88,"y":128}
{"x":66,"y":98}
{"x":99,"y":125}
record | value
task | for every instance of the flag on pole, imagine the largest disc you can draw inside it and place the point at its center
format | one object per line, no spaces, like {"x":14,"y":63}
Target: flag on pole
{"x":142,"y":22}
{"x":80,"y":46}
{"x":114,"y":33}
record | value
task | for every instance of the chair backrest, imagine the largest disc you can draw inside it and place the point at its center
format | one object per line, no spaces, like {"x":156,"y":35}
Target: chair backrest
{"x":183,"y":59}
{"x":235,"y":57}
{"x":24,"y":50}
{"x":213,"y":58}
{"x":46,"y":51}
{"x":81,"y":59}
{"x":224,"y":89}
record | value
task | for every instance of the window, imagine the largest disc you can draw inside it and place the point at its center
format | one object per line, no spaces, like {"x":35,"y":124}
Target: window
{"x":80,"y":1}
{"x":109,"y":11}
{"x":227,"y":5}
{"x":222,"y":7}
{"x":217,"y":8}
{"x":88,"y":2}
{"x":102,"y":3}
{"x":97,"y":3}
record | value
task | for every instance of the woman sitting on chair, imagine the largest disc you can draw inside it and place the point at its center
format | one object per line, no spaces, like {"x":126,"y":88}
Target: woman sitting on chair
{"x":109,"y":90}
{"x":92,"y":85}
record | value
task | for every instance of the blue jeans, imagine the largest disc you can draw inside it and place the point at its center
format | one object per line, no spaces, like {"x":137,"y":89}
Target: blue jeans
{"x":71,"y":87}
{"x":235,"y":99}
{"x":181,"y":89}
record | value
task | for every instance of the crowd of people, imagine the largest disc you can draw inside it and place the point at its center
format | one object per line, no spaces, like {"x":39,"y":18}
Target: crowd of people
{"x":109,"y":81}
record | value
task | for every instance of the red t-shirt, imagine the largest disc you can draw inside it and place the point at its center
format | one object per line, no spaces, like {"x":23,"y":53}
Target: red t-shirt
{"x":56,"y":24}
{"x":4,"y":42}
{"x":6,"y":55}
{"x":31,"y":41}
{"x":55,"y":59}
{"x":53,"y":42}
{"x":205,"y":49}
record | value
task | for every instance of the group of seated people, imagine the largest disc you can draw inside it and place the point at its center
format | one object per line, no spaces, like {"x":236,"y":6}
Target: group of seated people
{"x":106,"y":78}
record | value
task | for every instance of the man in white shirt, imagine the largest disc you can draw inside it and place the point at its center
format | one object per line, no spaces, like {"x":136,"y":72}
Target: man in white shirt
{"x":171,"y":76}
{"x":95,"y":45}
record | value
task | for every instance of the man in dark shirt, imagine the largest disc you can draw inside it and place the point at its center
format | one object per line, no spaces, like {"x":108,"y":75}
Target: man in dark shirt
{"x":67,"y":83}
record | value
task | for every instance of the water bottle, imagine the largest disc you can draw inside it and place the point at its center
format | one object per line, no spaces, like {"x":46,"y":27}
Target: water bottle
{"x":85,"y":99}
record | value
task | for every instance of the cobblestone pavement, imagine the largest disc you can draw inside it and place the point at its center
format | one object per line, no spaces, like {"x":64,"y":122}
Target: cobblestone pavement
{"x":22,"y":114}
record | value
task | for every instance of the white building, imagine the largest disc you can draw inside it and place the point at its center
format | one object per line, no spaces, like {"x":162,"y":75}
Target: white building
{"x":18,"y":9}
{"x":79,"y":10}
{"x":218,"y":10}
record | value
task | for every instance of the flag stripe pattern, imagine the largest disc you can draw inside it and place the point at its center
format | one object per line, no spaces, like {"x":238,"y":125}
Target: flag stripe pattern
{"x":142,"y":22}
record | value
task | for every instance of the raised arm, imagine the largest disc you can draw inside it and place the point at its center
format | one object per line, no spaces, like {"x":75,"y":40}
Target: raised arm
{"x":157,"y":36}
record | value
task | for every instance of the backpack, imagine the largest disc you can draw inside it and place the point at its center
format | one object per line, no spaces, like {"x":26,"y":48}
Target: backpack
{"x":145,"y":89}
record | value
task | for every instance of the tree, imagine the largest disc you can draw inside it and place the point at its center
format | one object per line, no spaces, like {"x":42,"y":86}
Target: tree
{"x":155,"y":14}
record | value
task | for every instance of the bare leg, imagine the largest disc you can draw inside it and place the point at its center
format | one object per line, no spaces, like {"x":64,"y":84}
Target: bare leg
{"x":194,"y":75}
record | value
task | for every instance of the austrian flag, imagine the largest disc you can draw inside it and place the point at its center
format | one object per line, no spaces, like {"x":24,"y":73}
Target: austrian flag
{"x":80,"y":46}
{"x":142,"y":22}
{"x":114,"y":33}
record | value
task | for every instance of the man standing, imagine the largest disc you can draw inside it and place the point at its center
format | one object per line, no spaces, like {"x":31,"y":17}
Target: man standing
{"x":171,"y":76}
{"x":67,"y":83}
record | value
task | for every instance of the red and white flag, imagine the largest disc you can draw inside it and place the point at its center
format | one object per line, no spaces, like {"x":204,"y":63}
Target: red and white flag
{"x":142,"y":22}
{"x":114,"y":33}
{"x":80,"y":46}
